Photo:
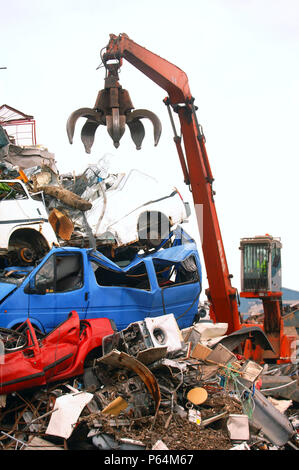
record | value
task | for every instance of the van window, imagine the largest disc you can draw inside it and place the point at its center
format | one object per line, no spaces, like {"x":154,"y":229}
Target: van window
{"x":169,"y":273}
{"x":136,"y":277}
{"x":61,"y":273}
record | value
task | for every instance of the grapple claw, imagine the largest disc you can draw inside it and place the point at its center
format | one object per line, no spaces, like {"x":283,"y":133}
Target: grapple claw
{"x":116,"y":126}
{"x":137,"y":132}
{"x":88,"y":113}
{"x":88,"y":133}
{"x":134,"y":116}
{"x":113,"y":108}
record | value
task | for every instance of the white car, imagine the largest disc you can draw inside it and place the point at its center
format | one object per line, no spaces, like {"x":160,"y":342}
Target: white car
{"x":133,"y":207}
{"x":26,"y":233}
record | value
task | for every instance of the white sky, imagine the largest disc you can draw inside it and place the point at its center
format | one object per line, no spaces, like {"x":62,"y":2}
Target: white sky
{"x":241,"y":58}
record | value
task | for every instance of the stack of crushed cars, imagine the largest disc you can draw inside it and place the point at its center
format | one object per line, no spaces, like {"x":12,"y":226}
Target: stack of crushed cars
{"x":116,"y":212}
{"x":156,"y":387}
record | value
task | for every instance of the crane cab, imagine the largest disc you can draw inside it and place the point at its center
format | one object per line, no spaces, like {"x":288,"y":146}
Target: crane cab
{"x":260,"y":265}
{"x":261,"y":279}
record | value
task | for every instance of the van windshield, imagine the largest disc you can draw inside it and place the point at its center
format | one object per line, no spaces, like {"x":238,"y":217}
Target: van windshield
{"x":14,"y":275}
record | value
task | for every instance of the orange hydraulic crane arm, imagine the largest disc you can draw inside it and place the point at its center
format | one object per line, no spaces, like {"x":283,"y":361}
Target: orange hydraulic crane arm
{"x":163,"y":73}
{"x":195,"y":166}
{"x":113,"y":108}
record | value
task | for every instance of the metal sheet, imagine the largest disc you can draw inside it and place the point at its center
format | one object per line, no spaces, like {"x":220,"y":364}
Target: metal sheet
{"x":275,"y":426}
{"x":239,"y":336}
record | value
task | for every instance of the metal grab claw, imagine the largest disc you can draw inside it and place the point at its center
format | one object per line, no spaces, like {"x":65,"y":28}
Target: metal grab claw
{"x":137,"y":129}
{"x":94,"y":119}
{"x":113,"y":108}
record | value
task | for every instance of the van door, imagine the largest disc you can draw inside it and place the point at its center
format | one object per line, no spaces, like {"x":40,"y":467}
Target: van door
{"x":180,"y":287}
{"x":59,"y":286}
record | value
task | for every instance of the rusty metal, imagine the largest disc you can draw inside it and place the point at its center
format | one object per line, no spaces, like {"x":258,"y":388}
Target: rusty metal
{"x":67,"y":197}
{"x":113,"y":109}
{"x":121,"y":359}
{"x":62,"y":225}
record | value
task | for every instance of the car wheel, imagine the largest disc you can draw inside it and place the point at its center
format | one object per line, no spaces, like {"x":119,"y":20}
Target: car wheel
{"x":27,"y":246}
{"x":26,"y":255}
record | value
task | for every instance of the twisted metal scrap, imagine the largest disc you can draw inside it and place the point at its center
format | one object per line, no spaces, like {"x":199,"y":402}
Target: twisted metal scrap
{"x":113,"y":108}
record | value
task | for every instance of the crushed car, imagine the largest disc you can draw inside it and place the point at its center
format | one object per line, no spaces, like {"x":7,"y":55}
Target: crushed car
{"x":26,"y":233}
{"x":129,"y":207}
{"x":117,"y":208}
{"x":29,"y":362}
{"x":108,"y":209}
{"x":167,"y":280}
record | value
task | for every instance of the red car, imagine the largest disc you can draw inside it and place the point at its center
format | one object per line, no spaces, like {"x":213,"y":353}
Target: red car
{"x":27,"y":362}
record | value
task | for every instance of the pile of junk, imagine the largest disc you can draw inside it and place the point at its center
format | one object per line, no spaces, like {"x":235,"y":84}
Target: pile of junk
{"x":151,"y":385}
{"x":116,"y":212}
{"x":158,"y":387}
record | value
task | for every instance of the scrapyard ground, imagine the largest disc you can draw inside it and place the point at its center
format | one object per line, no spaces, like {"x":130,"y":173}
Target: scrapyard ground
{"x":181,"y":434}
{"x":177,"y":433}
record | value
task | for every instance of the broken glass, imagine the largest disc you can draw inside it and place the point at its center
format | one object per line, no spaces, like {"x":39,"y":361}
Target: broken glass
{"x":182,"y":272}
{"x":12,"y":191}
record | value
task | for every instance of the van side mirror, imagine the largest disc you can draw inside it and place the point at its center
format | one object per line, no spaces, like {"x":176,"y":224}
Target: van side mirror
{"x":31,"y":288}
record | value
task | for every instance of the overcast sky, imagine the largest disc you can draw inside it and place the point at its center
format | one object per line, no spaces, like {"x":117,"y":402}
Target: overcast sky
{"x":241,"y":58}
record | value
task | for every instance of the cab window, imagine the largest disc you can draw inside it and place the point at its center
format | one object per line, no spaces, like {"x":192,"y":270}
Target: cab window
{"x":135,"y":277}
{"x":61,"y":273}
{"x":173,"y":273}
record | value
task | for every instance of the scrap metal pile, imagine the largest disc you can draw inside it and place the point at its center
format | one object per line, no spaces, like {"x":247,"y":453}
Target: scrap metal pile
{"x":100,"y":379}
{"x":158,"y":387}
{"x":152,"y":385}
{"x":112,"y":211}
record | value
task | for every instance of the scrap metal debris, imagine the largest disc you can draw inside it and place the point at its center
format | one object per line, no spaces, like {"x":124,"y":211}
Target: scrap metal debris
{"x":152,"y":386}
{"x":115,"y":212}
{"x":150,"y":390}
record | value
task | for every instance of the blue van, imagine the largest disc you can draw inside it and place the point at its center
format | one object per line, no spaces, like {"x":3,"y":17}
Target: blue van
{"x":82,"y":279}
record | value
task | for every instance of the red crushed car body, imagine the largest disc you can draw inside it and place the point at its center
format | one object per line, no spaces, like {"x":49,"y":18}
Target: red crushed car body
{"x":57,"y":356}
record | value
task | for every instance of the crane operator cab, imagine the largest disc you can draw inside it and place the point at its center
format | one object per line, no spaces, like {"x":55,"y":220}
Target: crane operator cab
{"x":260,"y":265}
{"x":261,"y":279}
